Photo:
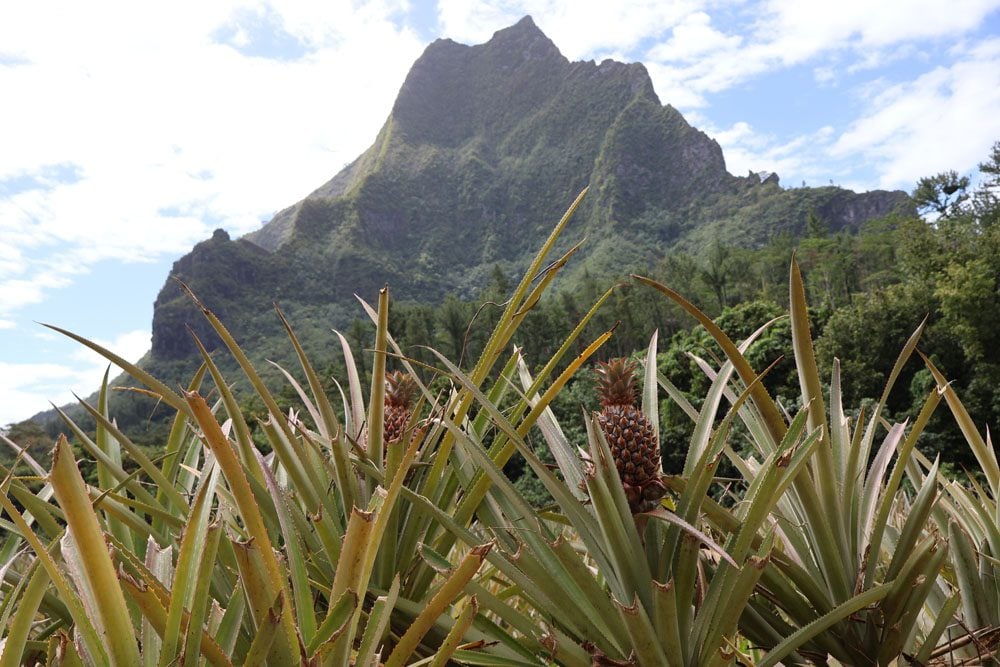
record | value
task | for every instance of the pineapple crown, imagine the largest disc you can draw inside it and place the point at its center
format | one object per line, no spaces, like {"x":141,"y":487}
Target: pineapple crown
{"x":616,"y":382}
{"x":400,"y":389}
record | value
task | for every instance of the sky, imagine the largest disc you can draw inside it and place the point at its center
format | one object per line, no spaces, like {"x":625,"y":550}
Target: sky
{"x":130,"y":131}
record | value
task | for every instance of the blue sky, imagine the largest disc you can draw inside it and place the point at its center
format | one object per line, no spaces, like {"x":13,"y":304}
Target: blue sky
{"x":130,"y":131}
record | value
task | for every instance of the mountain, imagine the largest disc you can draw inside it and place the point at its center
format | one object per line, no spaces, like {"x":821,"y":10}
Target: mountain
{"x":481,"y":153}
{"x":484,"y":148}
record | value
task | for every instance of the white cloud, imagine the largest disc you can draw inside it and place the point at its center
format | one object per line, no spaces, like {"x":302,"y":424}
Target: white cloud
{"x":852,"y":35}
{"x":170,"y":133}
{"x":804,"y":156}
{"x":693,"y":37}
{"x":130,"y":345}
{"x":18,"y":292}
{"x":946,"y":118}
{"x":28,"y":388}
{"x":804,"y":28}
{"x":825,"y":74}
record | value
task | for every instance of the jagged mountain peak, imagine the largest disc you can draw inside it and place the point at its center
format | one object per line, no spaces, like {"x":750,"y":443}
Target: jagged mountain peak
{"x":454,"y":91}
{"x":523,"y":39}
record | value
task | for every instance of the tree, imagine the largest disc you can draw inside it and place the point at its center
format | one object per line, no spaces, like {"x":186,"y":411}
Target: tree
{"x":991,"y":167}
{"x":717,"y":272}
{"x":29,"y":436}
{"x":986,"y":199}
{"x":943,"y":194}
{"x":453,"y":322}
{"x":970,"y":305}
{"x":815,"y":225}
{"x":867,"y":336}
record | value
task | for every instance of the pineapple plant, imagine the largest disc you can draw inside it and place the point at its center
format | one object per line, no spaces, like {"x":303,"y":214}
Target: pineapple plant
{"x":400,"y":390}
{"x":633,"y":442}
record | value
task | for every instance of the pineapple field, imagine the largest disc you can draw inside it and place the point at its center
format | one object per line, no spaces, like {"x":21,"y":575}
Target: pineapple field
{"x":375,"y":524}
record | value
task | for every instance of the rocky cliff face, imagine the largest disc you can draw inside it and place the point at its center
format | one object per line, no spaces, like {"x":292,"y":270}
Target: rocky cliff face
{"x":851,"y":210}
{"x":232,"y":276}
{"x":482,"y":151}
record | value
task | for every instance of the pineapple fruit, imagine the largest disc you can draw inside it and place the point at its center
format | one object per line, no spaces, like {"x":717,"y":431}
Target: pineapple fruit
{"x":634,"y":445}
{"x":400,"y":390}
